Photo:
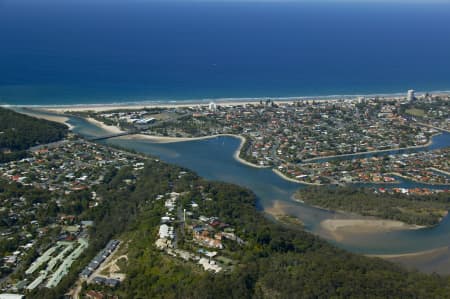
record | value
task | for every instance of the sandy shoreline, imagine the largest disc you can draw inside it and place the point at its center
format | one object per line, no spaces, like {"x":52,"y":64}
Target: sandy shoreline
{"x":339,"y":229}
{"x":136,"y":106}
{"x":278,"y":208}
{"x":222,"y":101}
{"x":166,"y":139}
{"x":436,"y":260}
{"x":237,"y":153}
{"x":62,"y":119}
{"x":109,"y":128}
{"x":282,"y":175}
{"x":410,"y":254}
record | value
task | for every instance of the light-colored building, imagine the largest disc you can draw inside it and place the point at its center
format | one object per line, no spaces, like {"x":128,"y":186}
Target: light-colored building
{"x":411,"y":95}
{"x":212,"y":106}
{"x":11,"y":296}
{"x":166,"y":232}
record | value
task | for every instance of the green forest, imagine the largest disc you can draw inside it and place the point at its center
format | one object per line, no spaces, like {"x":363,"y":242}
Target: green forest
{"x":276,"y":262}
{"x":412,"y":209}
{"x":18,"y":132}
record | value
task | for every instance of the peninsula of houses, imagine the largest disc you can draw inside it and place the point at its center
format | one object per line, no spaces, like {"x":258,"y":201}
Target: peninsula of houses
{"x":332,"y":141}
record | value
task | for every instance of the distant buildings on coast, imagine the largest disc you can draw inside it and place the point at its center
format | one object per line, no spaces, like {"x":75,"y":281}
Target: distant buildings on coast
{"x":411,"y":95}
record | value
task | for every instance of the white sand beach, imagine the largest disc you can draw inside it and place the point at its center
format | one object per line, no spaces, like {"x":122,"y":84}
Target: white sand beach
{"x":109,"y":128}
{"x":56,"y":118}
{"x":136,"y":106}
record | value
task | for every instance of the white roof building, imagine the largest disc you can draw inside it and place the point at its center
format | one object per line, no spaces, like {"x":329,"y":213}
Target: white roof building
{"x":212,"y":106}
{"x":11,"y":296}
{"x":209,"y":265}
{"x":411,"y":95}
{"x":165,"y":232}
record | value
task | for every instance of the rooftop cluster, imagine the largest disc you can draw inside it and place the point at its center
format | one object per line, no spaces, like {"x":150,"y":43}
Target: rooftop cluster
{"x":66,"y":167}
{"x":431,"y":167}
{"x":43,"y":198}
{"x":186,"y":234}
{"x":289,"y":136}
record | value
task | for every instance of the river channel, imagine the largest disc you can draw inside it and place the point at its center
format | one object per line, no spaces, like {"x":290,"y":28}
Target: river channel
{"x":213,"y":159}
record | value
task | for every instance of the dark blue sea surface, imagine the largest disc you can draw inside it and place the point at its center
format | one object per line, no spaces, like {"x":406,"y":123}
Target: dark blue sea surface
{"x":66,"y":52}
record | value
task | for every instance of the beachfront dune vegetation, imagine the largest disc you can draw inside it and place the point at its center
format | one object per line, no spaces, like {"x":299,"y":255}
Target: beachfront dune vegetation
{"x":425,"y":210}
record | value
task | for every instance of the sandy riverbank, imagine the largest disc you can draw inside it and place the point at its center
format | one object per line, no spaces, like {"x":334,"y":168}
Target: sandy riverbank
{"x":435,"y":260}
{"x":109,"y":128}
{"x":237,"y":153}
{"x":280,"y":212}
{"x":166,"y":139}
{"x":409,"y":255}
{"x":56,"y":118}
{"x":278,"y":208}
{"x":282,"y":175}
{"x":338,"y":229}
{"x":61,"y":118}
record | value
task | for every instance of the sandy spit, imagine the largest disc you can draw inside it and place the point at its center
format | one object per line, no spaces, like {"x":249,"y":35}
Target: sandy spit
{"x":56,"y":118}
{"x":110,"y":129}
{"x":338,"y":229}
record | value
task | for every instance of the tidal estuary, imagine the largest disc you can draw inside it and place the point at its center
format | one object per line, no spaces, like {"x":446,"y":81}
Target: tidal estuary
{"x":213,"y":159}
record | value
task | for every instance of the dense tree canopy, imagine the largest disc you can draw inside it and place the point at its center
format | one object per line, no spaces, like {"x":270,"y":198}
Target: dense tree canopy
{"x":275,"y":262}
{"x":412,"y":209}
{"x":19,"y":132}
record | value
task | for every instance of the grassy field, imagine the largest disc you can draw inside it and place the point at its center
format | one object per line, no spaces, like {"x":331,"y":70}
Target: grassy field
{"x":416,"y":112}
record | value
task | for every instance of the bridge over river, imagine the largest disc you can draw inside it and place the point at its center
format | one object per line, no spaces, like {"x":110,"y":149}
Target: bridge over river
{"x":97,"y":138}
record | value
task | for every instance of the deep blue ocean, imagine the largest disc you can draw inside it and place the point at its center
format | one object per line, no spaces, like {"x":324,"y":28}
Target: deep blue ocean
{"x":98,"y":51}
